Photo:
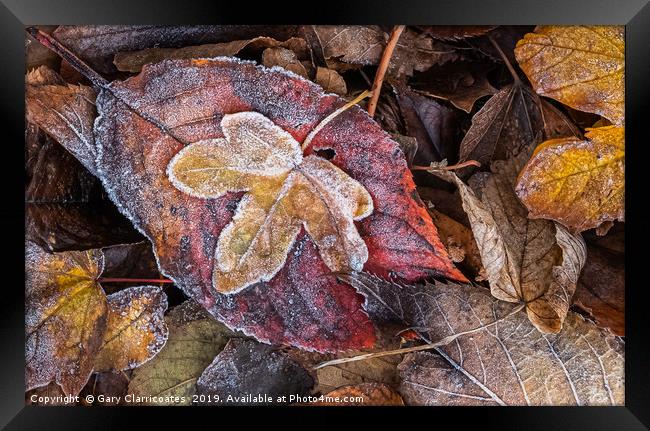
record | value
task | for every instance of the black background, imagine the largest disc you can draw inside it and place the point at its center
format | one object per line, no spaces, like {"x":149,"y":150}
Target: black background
{"x":16,"y":14}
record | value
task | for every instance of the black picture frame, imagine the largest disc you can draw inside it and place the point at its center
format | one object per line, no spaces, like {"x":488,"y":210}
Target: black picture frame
{"x":634,"y":14}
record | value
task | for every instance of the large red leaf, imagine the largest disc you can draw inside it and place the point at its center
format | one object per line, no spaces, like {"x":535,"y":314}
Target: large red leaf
{"x":145,"y":120}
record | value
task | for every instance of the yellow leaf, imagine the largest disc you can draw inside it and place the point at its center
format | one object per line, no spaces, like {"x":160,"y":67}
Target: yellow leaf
{"x":284,"y":191}
{"x":580,"y":66}
{"x":579,"y":183}
{"x":136,"y":329}
{"x":65,"y":316}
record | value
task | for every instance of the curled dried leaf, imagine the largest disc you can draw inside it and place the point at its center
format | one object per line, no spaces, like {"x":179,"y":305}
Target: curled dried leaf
{"x":331,"y":81}
{"x":534,"y":261}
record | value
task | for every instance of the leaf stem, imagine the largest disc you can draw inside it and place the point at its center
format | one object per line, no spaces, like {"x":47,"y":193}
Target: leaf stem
{"x":383,"y":67}
{"x":448,"y":168}
{"x":444,"y":341}
{"x":330,"y":117}
{"x":63,"y":52}
{"x":511,"y":69}
{"x":134,"y":280}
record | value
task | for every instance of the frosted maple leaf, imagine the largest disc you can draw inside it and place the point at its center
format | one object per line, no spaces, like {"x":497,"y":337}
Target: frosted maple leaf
{"x":284,"y":191}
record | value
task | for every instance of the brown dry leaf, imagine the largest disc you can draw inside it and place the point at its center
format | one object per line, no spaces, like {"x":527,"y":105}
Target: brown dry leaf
{"x":535,"y":261}
{"x":65,"y":205}
{"x":364,"y":45}
{"x":284,"y":190}
{"x":579,"y":183}
{"x":371,"y":394}
{"x":65,"y":111}
{"x":194,"y":340}
{"x":431,"y":123}
{"x":494,"y":355}
{"x":456,"y":32}
{"x":331,"y":81}
{"x":580,"y":66}
{"x":601,"y":288}
{"x":373,"y":370}
{"x":510,"y":121}
{"x":459,"y":241}
{"x":65,"y":316}
{"x":97,"y":44}
{"x":134,"y":60}
{"x":246,"y":368}
{"x":284,"y":58}
{"x":136,"y":329}
{"x":460,"y":83}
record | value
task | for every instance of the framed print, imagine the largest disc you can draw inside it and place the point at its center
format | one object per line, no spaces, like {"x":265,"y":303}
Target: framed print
{"x":378,"y":208}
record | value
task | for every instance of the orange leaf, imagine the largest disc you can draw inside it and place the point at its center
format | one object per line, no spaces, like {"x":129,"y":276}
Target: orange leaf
{"x":579,"y":183}
{"x":580,"y":66}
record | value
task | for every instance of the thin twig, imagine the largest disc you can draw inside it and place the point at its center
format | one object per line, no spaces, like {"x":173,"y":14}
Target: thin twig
{"x":63,"y":52}
{"x":330,"y":117}
{"x":448,"y":168}
{"x":505,"y":60}
{"x":383,"y":67}
{"x":448,"y":339}
{"x":134,"y":280}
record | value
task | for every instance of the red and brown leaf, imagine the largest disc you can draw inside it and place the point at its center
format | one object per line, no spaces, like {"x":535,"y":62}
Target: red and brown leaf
{"x":146,"y":120}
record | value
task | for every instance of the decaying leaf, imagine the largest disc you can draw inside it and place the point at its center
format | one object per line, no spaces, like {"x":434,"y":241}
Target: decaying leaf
{"x":303,"y":304}
{"x":510,"y":121}
{"x":132,"y":61}
{"x":534,"y":261}
{"x":579,"y":183}
{"x":194,"y":340}
{"x":284,"y":58}
{"x":460,"y":242}
{"x":580,"y":66}
{"x":135,"y":329}
{"x":459,"y":82}
{"x":331,"y":81}
{"x":65,"y":112}
{"x":65,"y":317}
{"x":364,"y":45}
{"x":455,"y":32}
{"x":432,"y":124}
{"x":373,"y":370}
{"x":371,"y":394}
{"x":97,"y":44}
{"x":246,"y":368}
{"x":284,"y":191}
{"x":601,"y":288}
{"x":495,"y":355}
{"x":65,"y":206}
{"x":72,"y":328}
